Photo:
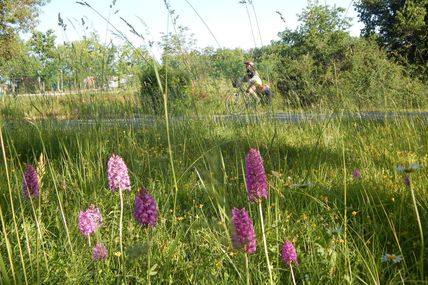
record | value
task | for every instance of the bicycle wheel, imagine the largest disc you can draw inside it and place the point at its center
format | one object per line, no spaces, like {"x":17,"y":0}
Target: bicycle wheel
{"x":236,"y":103}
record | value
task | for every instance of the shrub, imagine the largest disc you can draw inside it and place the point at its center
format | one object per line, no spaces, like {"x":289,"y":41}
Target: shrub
{"x":176,"y":81}
{"x":368,"y":77}
{"x":319,"y":63}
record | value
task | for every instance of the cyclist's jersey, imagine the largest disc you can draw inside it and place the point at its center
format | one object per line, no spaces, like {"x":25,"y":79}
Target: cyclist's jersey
{"x":253,"y":79}
{"x":256,"y":80}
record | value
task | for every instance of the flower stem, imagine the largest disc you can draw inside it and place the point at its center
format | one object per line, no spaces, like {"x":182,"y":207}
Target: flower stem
{"x":149,"y":253}
{"x":421,"y":232}
{"x":265,"y":244}
{"x":292,"y":274}
{"x":120,"y":228}
{"x":247,"y":270}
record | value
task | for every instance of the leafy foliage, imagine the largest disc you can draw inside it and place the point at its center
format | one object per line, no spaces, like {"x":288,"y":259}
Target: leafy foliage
{"x":317,"y":64}
{"x":21,"y":68}
{"x":401,"y":27}
{"x":16,"y":16}
{"x":174,"y":82}
{"x":310,"y":52}
{"x":320,"y":63}
{"x":43,"y":48}
{"x":226,"y":63}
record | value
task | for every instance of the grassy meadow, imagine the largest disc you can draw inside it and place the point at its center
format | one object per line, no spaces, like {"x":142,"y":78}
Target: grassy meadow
{"x":350,"y":195}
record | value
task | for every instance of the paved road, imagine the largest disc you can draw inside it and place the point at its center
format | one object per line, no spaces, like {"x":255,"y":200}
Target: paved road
{"x":374,"y":116}
{"x":279,"y":117}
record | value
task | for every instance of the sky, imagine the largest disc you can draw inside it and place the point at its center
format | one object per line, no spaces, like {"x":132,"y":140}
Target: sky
{"x":214,"y":23}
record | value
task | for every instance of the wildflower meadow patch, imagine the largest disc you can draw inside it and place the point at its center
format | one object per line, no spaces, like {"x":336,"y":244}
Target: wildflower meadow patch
{"x":228,"y":206}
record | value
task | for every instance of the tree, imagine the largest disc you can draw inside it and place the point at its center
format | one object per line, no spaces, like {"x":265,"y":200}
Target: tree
{"x":86,"y":58}
{"x":400,"y":26}
{"x":43,"y":48}
{"x":308,"y":54}
{"x":227,"y":63}
{"x":129,"y":62}
{"x":21,"y":70}
{"x":177,"y":81}
{"x":16,"y":16}
{"x":320,"y":64}
{"x":322,"y":31}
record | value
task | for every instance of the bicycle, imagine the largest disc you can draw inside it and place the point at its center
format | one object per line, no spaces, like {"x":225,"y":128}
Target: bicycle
{"x":241,"y":101}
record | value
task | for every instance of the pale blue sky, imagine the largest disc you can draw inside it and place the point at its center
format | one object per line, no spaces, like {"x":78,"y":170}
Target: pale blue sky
{"x":227,"y":19}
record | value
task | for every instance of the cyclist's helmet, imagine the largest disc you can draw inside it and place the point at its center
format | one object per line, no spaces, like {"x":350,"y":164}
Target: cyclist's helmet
{"x":249,"y":67}
{"x":249,"y":64}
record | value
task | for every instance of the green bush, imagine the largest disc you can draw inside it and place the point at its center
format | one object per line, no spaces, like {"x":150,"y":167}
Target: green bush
{"x":320,"y":64}
{"x":367,"y":76}
{"x":174,"y":81}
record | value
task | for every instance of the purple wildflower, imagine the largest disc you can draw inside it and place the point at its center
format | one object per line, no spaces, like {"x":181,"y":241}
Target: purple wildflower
{"x":356,"y":174}
{"x":255,"y":176}
{"x":30,"y":185}
{"x":243,"y":236}
{"x":145,"y":210}
{"x":407,"y":180}
{"x":117,"y":174}
{"x":99,"y":252}
{"x":289,"y":253}
{"x":90,"y":220}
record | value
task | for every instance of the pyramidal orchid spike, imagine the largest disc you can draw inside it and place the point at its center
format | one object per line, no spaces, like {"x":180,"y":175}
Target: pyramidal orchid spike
{"x":257,"y":187}
{"x":288,"y":253}
{"x":30,"y":185}
{"x":145,"y":209}
{"x":243,"y":235}
{"x":90,"y":220}
{"x":99,"y":252}
{"x":117,"y":174}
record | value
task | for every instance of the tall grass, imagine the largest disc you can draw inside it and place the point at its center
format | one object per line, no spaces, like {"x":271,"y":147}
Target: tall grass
{"x":341,"y":226}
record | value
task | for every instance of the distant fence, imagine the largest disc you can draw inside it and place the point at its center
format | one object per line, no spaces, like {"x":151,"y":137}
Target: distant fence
{"x":71,"y":92}
{"x":30,"y":86}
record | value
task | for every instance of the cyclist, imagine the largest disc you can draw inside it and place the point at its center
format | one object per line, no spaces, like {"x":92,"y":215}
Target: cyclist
{"x":255,"y":84}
